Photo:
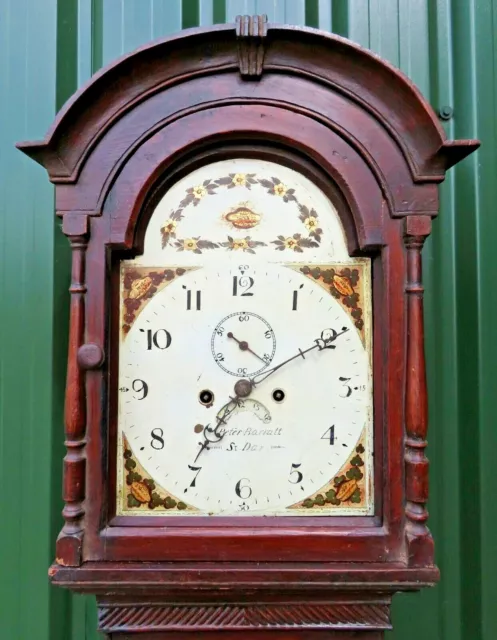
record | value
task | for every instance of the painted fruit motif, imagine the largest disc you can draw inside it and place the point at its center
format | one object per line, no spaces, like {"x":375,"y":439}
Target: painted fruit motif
{"x":342,"y":284}
{"x":140,"y":287}
{"x":243,"y":218}
{"x":346,"y":490}
{"x":141,"y":492}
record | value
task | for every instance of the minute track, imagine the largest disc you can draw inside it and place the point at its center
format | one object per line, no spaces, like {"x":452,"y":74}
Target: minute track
{"x":260,"y":339}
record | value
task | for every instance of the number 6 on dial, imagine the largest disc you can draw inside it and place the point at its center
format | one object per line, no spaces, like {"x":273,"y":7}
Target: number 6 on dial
{"x":243,"y":491}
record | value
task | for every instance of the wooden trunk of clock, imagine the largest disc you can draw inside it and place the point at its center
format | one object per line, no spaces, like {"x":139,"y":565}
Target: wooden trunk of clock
{"x":282,"y":182}
{"x":257,"y":635}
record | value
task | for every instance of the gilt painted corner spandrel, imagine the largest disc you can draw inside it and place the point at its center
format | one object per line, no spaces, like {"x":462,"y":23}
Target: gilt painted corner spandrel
{"x":448,"y":48}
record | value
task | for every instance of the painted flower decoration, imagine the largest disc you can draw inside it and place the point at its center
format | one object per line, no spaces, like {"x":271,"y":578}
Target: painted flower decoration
{"x":170,"y":226}
{"x":168,"y":230}
{"x":276,"y":188}
{"x":295,"y":243}
{"x":199,"y":191}
{"x":194,"y":244}
{"x":240,"y":243}
{"x":309,"y":218}
{"x":242,"y":216}
{"x":280,"y":189}
{"x":290,"y":243}
{"x":311,"y":223}
{"x":233,"y":180}
{"x":239,"y":179}
{"x":190,"y":244}
{"x":195,"y":194}
{"x":246,"y":244}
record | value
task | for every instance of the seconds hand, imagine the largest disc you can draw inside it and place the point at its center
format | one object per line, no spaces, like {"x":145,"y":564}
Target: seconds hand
{"x":244,"y":346}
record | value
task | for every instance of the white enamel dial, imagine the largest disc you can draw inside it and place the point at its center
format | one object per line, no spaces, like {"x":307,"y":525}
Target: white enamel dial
{"x":230,"y":351}
{"x":266,"y":452}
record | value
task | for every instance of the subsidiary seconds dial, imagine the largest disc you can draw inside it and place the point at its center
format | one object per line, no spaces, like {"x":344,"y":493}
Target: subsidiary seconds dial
{"x":243,"y":344}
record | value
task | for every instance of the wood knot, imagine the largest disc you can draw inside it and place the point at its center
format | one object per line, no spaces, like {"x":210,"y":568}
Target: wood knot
{"x":90,"y":356}
{"x":251,"y":32}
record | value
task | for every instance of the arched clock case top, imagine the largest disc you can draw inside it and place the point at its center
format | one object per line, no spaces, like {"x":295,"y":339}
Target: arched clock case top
{"x":359,"y":130}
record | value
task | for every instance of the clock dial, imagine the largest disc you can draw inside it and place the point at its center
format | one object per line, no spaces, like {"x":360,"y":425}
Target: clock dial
{"x":243,"y":344}
{"x":245,"y":384}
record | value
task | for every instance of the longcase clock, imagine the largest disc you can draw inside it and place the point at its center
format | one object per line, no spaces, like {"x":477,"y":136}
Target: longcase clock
{"x":246,"y":400}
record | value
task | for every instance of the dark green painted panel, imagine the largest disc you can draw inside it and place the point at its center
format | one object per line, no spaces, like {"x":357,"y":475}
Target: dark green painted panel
{"x":30,"y":438}
{"x":47,"y":49}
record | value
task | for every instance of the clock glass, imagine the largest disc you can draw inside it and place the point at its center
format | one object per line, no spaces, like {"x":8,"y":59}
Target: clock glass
{"x":245,"y":336}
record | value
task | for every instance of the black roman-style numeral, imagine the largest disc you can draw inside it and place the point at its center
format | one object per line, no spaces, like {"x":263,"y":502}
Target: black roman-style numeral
{"x":295,"y":298}
{"x":160,"y":339}
{"x":190,"y":298}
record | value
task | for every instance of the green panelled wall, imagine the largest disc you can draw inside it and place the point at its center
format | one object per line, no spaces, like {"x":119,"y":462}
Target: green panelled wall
{"x":47,"y":49}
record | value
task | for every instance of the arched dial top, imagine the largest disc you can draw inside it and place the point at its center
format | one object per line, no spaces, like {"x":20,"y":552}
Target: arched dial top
{"x":244,"y":208}
{"x":245,"y":379}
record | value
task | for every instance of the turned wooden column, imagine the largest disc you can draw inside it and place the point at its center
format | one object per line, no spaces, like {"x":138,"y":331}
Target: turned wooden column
{"x":69,"y":542}
{"x":420,"y":542}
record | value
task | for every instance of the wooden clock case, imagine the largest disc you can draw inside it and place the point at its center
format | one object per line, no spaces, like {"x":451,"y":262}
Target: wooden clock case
{"x":364,"y":134}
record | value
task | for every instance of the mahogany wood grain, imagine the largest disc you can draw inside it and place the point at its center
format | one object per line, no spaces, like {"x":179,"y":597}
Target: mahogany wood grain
{"x":325,"y":58}
{"x":255,"y":635}
{"x":420,"y":542}
{"x":360,"y":130}
{"x":209,"y":579}
{"x":69,"y":542}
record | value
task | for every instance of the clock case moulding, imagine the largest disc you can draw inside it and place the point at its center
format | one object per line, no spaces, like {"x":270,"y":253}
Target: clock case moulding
{"x":360,"y":130}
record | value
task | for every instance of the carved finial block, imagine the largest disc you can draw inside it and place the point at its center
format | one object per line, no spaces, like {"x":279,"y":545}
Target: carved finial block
{"x":251,"y":32}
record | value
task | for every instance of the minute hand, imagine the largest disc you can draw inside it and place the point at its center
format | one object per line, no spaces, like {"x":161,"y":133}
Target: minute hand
{"x":328,"y":336}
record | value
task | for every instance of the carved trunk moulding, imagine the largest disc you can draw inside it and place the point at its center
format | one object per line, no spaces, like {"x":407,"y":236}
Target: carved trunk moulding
{"x":272,"y":166}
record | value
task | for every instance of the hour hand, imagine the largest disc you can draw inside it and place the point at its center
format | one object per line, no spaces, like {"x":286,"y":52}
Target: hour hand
{"x":213,"y":435}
